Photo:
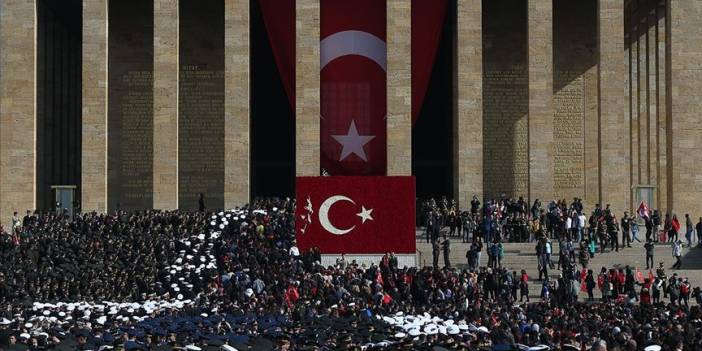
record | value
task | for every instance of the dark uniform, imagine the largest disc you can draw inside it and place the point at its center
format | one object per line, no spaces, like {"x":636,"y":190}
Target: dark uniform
{"x":446,"y":245}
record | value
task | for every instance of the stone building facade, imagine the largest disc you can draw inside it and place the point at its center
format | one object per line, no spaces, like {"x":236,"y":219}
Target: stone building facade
{"x":596,"y":99}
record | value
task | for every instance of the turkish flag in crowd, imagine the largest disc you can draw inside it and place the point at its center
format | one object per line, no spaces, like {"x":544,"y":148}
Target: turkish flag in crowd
{"x":356,"y":215}
{"x":643,"y":210}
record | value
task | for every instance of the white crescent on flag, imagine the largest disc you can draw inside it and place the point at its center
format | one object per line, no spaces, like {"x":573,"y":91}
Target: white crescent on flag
{"x":353,"y":42}
{"x":324,"y":214}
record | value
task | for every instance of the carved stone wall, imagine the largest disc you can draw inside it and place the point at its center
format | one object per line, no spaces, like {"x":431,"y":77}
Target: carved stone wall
{"x":574,"y":94}
{"x":201,"y":104}
{"x":130,"y":105}
{"x":505,"y":98}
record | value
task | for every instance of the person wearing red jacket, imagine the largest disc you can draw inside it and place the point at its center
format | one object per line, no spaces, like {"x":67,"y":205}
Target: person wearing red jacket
{"x":291,"y":295}
{"x":523,"y":286}
{"x":646,"y":292}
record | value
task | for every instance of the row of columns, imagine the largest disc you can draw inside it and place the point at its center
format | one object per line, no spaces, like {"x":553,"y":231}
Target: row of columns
{"x":469,"y":116}
{"x":683,"y":82}
{"x":166,"y":74}
{"x":645,"y":56}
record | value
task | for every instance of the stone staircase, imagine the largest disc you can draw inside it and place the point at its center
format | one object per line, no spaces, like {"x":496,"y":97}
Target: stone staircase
{"x":520,"y":256}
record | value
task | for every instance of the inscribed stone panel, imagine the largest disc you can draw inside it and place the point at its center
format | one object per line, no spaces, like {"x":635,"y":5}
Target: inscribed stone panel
{"x":505,"y":98}
{"x":130,"y":105}
{"x":201,"y":104}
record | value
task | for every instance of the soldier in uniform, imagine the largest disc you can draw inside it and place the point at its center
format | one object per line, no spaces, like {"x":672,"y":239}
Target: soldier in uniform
{"x":660,"y":273}
{"x":611,"y":222}
{"x":626,"y":225}
{"x":602,"y":234}
{"x":446,"y":246}
{"x":435,"y":250}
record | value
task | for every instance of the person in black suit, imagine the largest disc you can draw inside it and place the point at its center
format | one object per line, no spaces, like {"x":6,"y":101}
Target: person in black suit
{"x":201,"y":203}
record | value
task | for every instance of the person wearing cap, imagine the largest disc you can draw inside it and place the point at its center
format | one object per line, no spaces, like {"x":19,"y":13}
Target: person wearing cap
{"x":446,"y":248}
{"x":435,"y":250}
{"x":626,"y":226}
{"x":82,"y":340}
{"x":661,"y":274}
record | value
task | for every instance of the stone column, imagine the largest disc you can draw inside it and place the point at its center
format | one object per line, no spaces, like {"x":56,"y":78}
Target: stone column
{"x":166,"y":104}
{"x":685,"y":53}
{"x":642,"y":174}
{"x":541,"y":147}
{"x":662,"y":109}
{"x":94,"y":139}
{"x":236,"y":103}
{"x":468,"y":140}
{"x":17,"y":107}
{"x":307,"y":76}
{"x":614,"y":147}
{"x":635,"y":98}
{"x":652,"y":101}
{"x":399,"y":87}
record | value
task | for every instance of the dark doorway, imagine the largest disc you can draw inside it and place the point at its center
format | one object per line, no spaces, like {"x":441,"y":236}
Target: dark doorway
{"x":272,"y":119}
{"x":432,"y":134}
{"x":59,"y":84}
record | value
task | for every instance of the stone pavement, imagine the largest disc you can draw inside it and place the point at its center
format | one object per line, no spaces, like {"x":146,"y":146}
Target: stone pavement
{"x":520,"y":256}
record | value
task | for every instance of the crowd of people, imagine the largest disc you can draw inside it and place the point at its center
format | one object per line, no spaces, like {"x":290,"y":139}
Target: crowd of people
{"x":577,"y":235}
{"x":235,"y":280}
{"x":513,"y":220}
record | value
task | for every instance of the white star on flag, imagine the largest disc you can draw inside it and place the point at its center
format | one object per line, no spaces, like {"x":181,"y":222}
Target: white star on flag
{"x":353,"y":143}
{"x":365,"y":214}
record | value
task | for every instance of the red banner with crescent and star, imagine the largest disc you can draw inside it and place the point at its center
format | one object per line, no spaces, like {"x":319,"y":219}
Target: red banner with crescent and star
{"x":356,"y":215}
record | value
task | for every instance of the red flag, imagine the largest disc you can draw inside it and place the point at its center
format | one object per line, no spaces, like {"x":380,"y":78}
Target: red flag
{"x":639,"y":276}
{"x":356,"y":214}
{"x":353,"y":63}
{"x":387,"y":299}
{"x":379,"y":278}
{"x":650,"y":276}
{"x":427,"y":22}
{"x":676,"y":224}
{"x":643,"y":210}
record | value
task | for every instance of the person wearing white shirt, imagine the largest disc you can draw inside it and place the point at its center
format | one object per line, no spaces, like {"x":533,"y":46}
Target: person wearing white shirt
{"x":581,"y":225}
{"x":294,"y":251}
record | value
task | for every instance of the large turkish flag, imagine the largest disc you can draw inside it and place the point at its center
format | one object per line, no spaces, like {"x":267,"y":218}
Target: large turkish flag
{"x":353,"y":57}
{"x":356,"y":215}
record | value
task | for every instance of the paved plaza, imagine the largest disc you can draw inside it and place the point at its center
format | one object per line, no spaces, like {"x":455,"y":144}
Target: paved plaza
{"x":518,"y":256}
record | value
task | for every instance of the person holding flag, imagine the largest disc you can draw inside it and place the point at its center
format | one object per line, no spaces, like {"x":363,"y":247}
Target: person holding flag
{"x":643,"y":211}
